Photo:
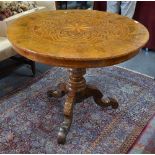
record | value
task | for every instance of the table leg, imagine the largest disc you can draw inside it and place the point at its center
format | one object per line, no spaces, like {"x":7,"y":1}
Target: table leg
{"x":68,"y":111}
{"x":98,"y":97}
{"x":76,"y":91}
{"x":59,"y":92}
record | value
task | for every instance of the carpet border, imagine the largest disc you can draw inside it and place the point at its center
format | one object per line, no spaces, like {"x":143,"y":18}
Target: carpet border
{"x":145,"y":126}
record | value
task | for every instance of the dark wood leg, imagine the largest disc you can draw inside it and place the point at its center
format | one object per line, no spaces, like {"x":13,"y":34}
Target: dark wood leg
{"x":98,"y":97}
{"x":23,"y":60}
{"x":68,"y":112}
{"x":66,"y":4}
{"x":33,"y":67}
{"x":77,"y":90}
{"x":59,"y":92}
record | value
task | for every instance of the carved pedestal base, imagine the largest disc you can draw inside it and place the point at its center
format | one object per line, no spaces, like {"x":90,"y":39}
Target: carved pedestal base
{"x":76,"y":91}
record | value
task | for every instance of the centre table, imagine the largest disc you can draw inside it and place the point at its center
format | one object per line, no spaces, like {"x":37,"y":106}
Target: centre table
{"x":77,"y":39}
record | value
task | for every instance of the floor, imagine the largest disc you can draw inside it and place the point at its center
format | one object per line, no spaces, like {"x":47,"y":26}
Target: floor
{"x":144,"y":63}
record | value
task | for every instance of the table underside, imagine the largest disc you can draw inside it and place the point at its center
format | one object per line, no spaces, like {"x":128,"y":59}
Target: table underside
{"x":76,"y":90}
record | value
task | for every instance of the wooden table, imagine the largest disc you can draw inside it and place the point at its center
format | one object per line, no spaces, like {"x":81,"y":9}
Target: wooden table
{"x":77,"y":40}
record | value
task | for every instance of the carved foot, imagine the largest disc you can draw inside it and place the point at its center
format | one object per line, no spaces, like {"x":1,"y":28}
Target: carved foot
{"x":106,"y":102}
{"x":59,"y":92}
{"x":64,"y":129}
{"x":68,"y":110}
{"x":98,"y":98}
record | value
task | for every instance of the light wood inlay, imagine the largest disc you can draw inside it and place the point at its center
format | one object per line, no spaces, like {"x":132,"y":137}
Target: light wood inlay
{"x":77,"y":38}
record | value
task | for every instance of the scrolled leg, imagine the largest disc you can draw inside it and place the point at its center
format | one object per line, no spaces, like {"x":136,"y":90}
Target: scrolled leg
{"x":77,"y":90}
{"x":59,"y":92}
{"x":68,"y":110}
{"x":98,"y":98}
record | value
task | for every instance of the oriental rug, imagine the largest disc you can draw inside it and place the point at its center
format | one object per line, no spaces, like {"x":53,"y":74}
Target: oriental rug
{"x":145,"y":143}
{"x":29,"y":120}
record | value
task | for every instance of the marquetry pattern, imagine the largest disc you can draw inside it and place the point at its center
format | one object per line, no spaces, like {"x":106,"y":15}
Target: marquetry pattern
{"x":97,"y":27}
{"x":78,"y":34}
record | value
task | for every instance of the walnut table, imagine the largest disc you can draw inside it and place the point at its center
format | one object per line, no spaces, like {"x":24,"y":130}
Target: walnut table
{"x":77,"y":40}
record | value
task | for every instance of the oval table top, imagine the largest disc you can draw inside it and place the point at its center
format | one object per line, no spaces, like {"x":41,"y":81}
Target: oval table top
{"x":77,"y":38}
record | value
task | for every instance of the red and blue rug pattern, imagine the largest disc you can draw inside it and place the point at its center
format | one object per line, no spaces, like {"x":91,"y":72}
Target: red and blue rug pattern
{"x":145,"y":143}
{"x":30,"y":120}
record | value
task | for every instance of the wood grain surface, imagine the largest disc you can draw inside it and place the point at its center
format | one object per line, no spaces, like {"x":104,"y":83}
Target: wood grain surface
{"x":77,"y":38}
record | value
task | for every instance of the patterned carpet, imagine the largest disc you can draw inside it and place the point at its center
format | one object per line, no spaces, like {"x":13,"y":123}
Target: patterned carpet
{"x":30,"y":120}
{"x":145,"y":143}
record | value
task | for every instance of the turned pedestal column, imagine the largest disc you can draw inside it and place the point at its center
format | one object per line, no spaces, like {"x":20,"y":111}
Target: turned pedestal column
{"x":76,"y":91}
